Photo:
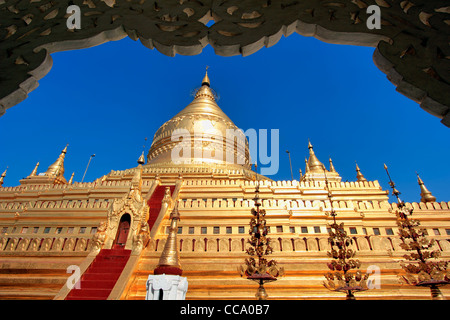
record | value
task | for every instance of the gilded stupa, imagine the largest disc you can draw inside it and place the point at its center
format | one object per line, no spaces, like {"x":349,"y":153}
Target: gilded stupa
{"x":208,"y":134}
{"x":186,"y":211}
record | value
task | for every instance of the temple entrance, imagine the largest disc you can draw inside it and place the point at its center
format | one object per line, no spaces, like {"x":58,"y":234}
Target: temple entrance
{"x":122,"y":232}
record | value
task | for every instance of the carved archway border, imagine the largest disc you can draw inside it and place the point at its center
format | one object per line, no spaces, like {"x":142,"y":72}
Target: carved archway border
{"x":412,"y":46}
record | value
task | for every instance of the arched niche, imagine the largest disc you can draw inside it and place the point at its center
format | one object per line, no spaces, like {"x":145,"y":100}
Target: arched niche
{"x":123,"y":231}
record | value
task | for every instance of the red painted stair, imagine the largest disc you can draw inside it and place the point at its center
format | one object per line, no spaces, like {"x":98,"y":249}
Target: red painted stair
{"x":155,"y":203}
{"x":99,"y":279}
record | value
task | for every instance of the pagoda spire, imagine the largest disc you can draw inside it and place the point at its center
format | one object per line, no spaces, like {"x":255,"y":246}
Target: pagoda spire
{"x":205,"y":81}
{"x":71,"y":178}
{"x":141,"y":159}
{"x":306,"y":166}
{"x":425,"y":194}
{"x":332,"y":169}
{"x":359,"y":175}
{"x":57,"y":168}
{"x":314,"y":164}
{"x":34,"y":172}
{"x":205,"y":90}
{"x":169,"y":262}
{"x":2,"y":177}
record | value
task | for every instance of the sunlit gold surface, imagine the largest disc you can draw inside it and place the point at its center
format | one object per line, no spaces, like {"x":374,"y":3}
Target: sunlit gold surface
{"x":425,"y":194}
{"x":47,"y":226}
{"x":34,"y":172}
{"x":314,"y":164}
{"x":208,"y":127}
{"x":359,"y":175}
{"x":170,"y":254}
{"x":57,"y":168}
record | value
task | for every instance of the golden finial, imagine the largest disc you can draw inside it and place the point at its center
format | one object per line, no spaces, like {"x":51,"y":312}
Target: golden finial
{"x":332,"y":169}
{"x":306,"y":166}
{"x":314,"y":164}
{"x":425,"y":194}
{"x":2,"y":177}
{"x":57,"y":168}
{"x":71,"y":178}
{"x":169,"y":262}
{"x":205,"y":90}
{"x":359,"y":175}
{"x":141,"y":159}
{"x":205,"y":80}
{"x":395,"y":192}
{"x":34,"y":172}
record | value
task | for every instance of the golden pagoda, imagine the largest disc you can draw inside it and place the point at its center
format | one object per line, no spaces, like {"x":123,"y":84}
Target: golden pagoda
{"x":210,"y":136}
{"x":189,"y":205}
{"x":53,"y":175}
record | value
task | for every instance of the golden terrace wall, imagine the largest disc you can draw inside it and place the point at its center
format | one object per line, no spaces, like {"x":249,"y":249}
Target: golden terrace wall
{"x":62,"y":220}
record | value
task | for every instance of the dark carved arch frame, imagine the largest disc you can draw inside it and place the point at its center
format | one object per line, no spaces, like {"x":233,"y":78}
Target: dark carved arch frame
{"x":412,"y":46}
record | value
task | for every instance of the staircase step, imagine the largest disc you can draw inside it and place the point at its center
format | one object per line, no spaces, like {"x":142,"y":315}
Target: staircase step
{"x":108,"y":264}
{"x":155,"y":203}
{"x":111,"y":269}
{"x":99,"y":293}
{"x":100,"y":276}
{"x":106,"y":251}
{"x":112,"y":258}
{"x":100,"y":284}
{"x":85,"y":298}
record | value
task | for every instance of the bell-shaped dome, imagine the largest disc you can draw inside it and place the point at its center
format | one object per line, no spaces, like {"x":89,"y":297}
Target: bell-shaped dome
{"x":201,"y":133}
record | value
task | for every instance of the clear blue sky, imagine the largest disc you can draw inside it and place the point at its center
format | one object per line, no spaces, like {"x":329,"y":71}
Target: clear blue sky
{"x":107,"y":99}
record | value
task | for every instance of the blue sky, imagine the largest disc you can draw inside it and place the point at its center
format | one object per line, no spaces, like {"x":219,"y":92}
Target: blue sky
{"x":106,"y":100}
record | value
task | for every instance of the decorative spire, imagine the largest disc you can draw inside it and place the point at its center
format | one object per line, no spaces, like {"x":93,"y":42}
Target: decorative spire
{"x":169,"y":262}
{"x":395,"y":192}
{"x":424,"y":193}
{"x":57,"y":168}
{"x":420,"y":271}
{"x":205,"y":81}
{"x":257,"y":267}
{"x":34,"y":172}
{"x":141,"y":159}
{"x":306,"y":166}
{"x":71,"y":178}
{"x":340,"y":278}
{"x":205,"y":90}
{"x":332,"y":169}
{"x":359,"y":175}
{"x":314,"y":164}
{"x":2,"y":177}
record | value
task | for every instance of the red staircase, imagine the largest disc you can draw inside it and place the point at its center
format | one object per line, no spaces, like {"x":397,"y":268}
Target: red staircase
{"x":101,"y":276}
{"x":155,"y":203}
